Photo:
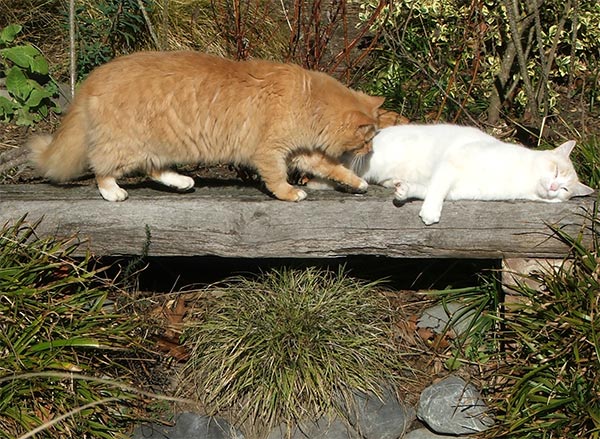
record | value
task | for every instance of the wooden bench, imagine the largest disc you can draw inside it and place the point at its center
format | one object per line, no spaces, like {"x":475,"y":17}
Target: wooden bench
{"x":238,"y":221}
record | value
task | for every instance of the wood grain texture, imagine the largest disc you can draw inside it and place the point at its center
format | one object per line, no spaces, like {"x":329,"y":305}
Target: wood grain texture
{"x":238,"y":221}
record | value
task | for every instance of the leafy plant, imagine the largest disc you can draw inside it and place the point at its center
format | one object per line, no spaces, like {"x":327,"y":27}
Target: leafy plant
{"x":290,"y":346}
{"x":587,"y":161}
{"x":475,"y":61}
{"x":24,"y":75}
{"x":62,"y":343}
{"x":479,"y":315}
{"x":551,"y":384}
{"x":108,"y":28}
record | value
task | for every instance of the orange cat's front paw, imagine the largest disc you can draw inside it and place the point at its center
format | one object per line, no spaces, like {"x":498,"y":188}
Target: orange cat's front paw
{"x":358,"y":186}
{"x":291,"y":194}
{"x":363,"y":186}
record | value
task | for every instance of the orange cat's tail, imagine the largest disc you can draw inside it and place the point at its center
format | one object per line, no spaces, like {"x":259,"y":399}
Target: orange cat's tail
{"x":64,"y":156}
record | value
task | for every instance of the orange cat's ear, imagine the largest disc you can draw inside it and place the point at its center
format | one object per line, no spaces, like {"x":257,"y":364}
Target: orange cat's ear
{"x":358,"y":118}
{"x":376,"y":101}
{"x":371,"y":101}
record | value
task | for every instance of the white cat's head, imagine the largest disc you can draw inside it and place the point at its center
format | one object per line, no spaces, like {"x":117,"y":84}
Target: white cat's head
{"x":558,"y":179}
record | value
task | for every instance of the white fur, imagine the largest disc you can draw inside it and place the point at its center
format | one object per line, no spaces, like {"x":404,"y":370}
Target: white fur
{"x":451,"y":162}
{"x":174,"y":180}
{"x":110,"y":190}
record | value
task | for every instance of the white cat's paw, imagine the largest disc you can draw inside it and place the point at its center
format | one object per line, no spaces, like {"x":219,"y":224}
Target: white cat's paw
{"x":401,"y":192}
{"x":430,"y":216}
{"x":113,"y":194}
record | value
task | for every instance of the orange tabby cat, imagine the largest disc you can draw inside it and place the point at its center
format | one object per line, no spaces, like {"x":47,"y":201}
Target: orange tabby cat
{"x":151,"y":110}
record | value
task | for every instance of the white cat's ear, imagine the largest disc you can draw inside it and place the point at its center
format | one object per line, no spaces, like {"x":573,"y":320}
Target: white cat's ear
{"x":581,"y":190}
{"x":566,"y":148}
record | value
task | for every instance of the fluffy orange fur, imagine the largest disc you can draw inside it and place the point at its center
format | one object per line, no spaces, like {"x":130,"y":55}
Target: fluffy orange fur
{"x":151,"y":110}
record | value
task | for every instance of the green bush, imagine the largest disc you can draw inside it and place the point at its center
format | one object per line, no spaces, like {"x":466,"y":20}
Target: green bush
{"x":108,"y":28}
{"x":29,"y":88}
{"x":64,"y":347}
{"x":587,"y":161}
{"x":455,"y":60}
{"x":552,"y":357}
{"x":290,"y":346}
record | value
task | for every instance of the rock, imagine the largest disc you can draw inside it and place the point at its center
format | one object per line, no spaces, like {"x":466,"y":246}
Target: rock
{"x":423,"y":433}
{"x":381,"y":419}
{"x":189,"y":426}
{"x":437,"y":317}
{"x":370,"y":418}
{"x":323,"y":428}
{"x":452,"y":406}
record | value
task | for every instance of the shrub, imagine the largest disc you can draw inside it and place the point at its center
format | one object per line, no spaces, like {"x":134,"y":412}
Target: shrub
{"x":62,"y":343}
{"x":108,"y":28}
{"x":290,"y":346}
{"x":24,"y":73}
{"x":552,"y":356}
{"x":450,"y":60}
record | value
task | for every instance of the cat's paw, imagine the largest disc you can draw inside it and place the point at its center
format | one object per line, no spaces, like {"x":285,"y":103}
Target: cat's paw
{"x":183,"y":183}
{"x":430,"y":216}
{"x":174,"y":180}
{"x":363,"y":186}
{"x":113,"y":194}
{"x":293,"y":194}
{"x":401,"y":192}
{"x":358,"y":187}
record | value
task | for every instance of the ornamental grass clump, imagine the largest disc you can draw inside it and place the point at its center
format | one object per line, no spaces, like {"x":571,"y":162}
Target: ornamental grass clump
{"x":62,"y":343}
{"x":552,"y":353}
{"x":290,"y":346}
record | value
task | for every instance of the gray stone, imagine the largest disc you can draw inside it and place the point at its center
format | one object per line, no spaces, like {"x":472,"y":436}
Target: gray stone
{"x":381,"y":419}
{"x":189,"y":426}
{"x":437,"y":318}
{"x":452,"y":406}
{"x":324,"y":428}
{"x":423,"y":433}
{"x":370,"y":418}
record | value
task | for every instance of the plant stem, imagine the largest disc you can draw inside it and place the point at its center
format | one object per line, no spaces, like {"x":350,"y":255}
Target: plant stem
{"x":73,"y":61}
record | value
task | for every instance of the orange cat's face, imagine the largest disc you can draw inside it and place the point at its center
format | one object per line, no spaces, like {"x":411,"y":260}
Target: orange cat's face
{"x":352,"y":116}
{"x":360,"y":141}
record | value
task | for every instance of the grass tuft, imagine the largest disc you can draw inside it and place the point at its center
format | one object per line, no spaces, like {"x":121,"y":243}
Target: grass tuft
{"x":62,"y":343}
{"x":553,"y":388}
{"x":290,"y":346}
{"x":587,"y":161}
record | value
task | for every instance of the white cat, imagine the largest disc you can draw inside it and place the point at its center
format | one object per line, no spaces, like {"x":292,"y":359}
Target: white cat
{"x":452,"y":162}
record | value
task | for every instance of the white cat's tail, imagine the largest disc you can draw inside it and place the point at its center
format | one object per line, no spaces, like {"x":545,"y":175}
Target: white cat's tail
{"x":64,"y":156}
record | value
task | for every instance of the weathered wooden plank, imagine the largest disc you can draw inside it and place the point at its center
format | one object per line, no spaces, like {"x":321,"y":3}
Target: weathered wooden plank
{"x":236,"y":221}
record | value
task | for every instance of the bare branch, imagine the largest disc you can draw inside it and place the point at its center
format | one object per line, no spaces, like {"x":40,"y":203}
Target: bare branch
{"x":512,"y":11}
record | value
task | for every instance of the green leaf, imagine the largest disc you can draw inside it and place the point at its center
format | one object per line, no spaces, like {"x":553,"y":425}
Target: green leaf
{"x":7,"y":106}
{"x":86,"y":342}
{"x":27,"y":57}
{"x":24,"y":117}
{"x":37,"y":95}
{"x":17,"y":83}
{"x":43,"y":110}
{"x":9,"y":33}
